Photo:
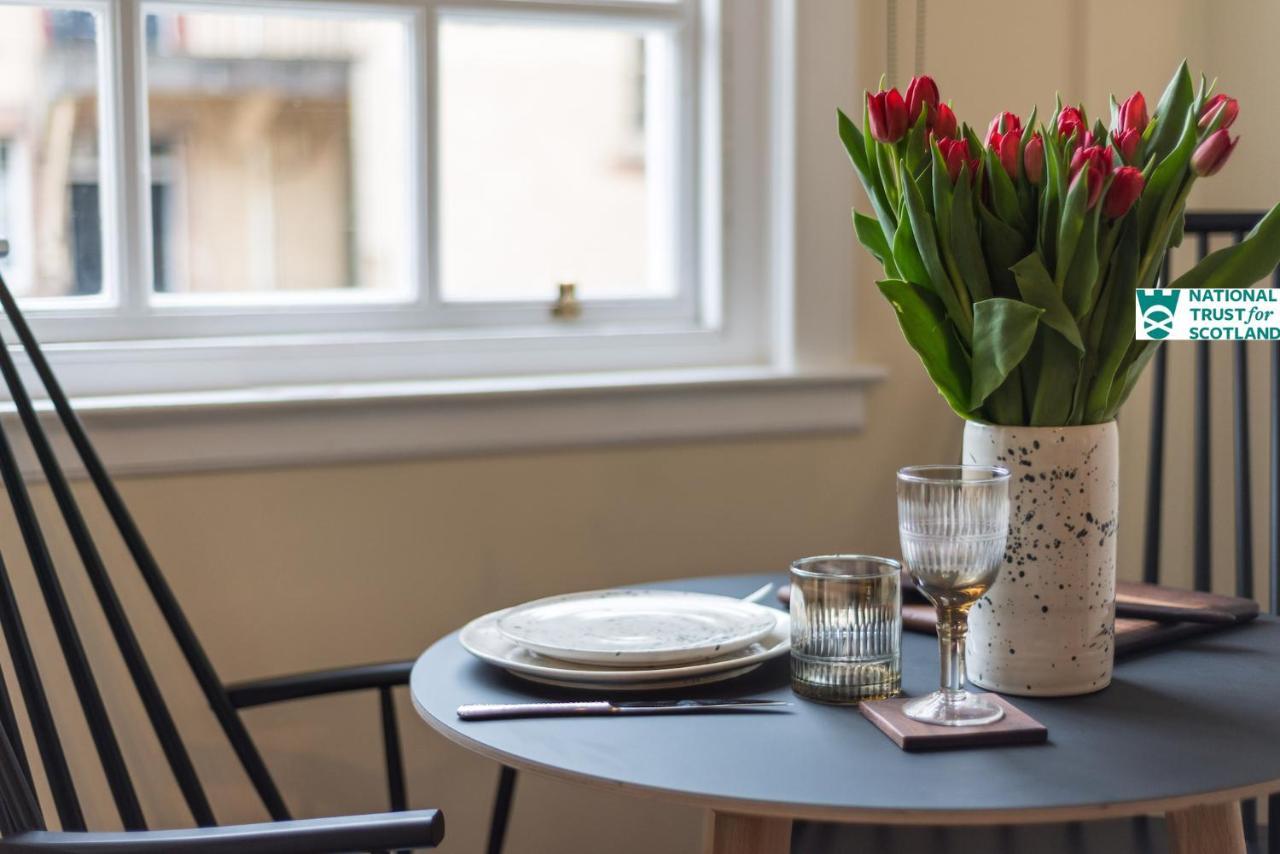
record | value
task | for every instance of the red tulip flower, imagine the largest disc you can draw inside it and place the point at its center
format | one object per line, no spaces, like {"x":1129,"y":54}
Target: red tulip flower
{"x":1092,"y":156}
{"x":1093,"y":162}
{"x":1005,"y":145}
{"x":1133,"y":114}
{"x":955,"y":153}
{"x":1128,"y":142}
{"x":1230,"y":108}
{"x":922,"y":93}
{"x":1004,"y":123}
{"x":1094,"y":177}
{"x":1070,"y":121}
{"x":1125,"y":188}
{"x":945,"y":125}
{"x":1033,"y":159}
{"x":888,"y":114}
{"x":1212,"y":154}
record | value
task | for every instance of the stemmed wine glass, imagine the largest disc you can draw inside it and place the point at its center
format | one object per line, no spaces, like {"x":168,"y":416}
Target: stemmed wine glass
{"x":953,"y":522}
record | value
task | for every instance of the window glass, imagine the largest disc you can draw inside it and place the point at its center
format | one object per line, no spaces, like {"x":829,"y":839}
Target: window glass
{"x":49,"y":166}
{"x":557,"y":153}
{"x":280,"y":152}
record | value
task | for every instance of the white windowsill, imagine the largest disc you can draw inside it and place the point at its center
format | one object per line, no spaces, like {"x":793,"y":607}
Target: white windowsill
{"x":318,"y":424}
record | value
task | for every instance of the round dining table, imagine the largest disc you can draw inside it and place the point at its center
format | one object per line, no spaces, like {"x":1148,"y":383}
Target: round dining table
{"x":1188,"y":731}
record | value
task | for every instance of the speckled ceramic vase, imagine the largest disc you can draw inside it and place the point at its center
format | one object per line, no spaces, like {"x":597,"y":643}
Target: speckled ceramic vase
{"x":1046,"y":628}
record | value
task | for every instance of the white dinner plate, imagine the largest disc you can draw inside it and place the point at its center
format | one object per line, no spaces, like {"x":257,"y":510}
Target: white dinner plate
{"x":636,"y":627}
{"x":656,"y":685}
{"x":482,"y":639}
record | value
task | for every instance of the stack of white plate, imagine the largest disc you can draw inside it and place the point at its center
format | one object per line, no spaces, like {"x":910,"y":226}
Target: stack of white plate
{"x":630,"y":640}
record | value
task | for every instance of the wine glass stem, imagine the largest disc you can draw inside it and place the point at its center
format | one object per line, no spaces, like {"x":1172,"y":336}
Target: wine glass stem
{"x":953,"y":625}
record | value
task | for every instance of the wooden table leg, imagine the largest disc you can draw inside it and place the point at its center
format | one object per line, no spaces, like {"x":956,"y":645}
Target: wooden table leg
{"x":1213,"y":829}
{"x":731,"y":833}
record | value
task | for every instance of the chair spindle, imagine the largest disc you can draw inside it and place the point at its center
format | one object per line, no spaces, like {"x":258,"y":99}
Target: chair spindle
{"x":192,"y":651}
{"x":1202,"y":505}
{"x":131,"y":651}
{"x":1155,"y":462}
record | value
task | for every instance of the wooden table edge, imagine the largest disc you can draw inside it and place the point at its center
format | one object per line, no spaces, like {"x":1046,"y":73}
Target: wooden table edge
{"x":858,"y":815}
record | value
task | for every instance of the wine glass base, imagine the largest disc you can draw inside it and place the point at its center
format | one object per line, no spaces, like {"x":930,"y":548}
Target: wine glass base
{"x":953,"y":708}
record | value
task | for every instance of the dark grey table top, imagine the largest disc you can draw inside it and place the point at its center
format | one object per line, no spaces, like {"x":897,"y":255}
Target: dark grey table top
{"x":1194,"y":723}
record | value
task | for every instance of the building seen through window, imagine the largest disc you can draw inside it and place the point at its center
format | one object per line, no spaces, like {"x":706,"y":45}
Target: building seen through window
{"x":282,"y":156}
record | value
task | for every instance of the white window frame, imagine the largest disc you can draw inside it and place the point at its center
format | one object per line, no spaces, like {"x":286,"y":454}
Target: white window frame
{"x":151,"y":343}
{"x":773,"y":352}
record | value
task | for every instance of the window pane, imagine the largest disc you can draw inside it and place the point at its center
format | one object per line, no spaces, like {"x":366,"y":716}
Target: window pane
{"x":279,"y":152}
{"x":556,"y":161}
{"x":49,"y":167}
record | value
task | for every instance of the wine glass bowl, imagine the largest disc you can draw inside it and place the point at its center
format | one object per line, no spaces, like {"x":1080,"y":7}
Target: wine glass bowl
{"x":953,"y":521}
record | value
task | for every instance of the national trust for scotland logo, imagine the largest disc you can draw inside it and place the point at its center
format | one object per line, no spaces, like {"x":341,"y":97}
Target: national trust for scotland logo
{"x":1156,"y":307}
{"x":1207,"y":314}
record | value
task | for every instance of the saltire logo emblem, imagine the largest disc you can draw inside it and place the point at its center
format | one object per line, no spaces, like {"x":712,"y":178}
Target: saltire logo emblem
{"x":1157,"y":306}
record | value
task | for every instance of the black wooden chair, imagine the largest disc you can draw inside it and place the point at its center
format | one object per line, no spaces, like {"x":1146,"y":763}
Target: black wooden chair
{"x":1203,"y":227}
{"x":22,"y":821}
{"x":1140,"y":836}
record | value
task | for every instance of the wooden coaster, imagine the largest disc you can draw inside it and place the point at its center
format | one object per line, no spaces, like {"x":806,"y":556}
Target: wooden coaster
{"x":1016,"y":727}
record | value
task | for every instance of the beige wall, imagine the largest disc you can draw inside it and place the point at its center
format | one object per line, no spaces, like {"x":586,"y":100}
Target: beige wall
{"x":296,"y":569}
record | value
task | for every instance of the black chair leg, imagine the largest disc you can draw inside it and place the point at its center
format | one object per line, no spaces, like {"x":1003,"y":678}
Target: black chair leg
{"x":1249,"y":817}
{"x":1273,"y":824}
{"x":501,"y":809}
{"x":1142,"y":835}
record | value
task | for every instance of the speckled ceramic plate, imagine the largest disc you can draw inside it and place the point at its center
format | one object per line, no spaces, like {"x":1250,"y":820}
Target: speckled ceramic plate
{"x":482,"y":639}
{"x":636,"y":627}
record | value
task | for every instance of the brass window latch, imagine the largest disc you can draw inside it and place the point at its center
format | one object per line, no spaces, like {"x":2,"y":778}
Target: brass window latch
{"x":567,"y":305}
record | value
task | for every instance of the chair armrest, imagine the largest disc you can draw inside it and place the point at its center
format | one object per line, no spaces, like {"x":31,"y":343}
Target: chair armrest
{"x":277,"y":689}
{"x":417,"y":829}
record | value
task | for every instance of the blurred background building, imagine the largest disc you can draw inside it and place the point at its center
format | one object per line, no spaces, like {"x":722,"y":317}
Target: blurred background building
{"x":281,"y":146}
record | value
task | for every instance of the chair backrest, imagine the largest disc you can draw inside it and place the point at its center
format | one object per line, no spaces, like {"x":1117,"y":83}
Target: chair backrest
{"x":19,"y":809}
{"x":1201,"y":228}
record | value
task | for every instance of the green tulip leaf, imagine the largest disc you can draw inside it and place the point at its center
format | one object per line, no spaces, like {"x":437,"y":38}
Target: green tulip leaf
{"x":1165,"y":183}
{"x":918,"y":144}
{"x":1029,"y":128}
{"x":1073,"y":216}
{"x":1241,"y":265}
{"x":1124,"y":385}
{"x":941,"y":192}
{"x":871,"y":237}
{"x":1038,"y":289}
{"x":970,"y":136}
{"x":886,"y":163}
{"x":926,"y":241}
{"x":1111,"y":333}
{"x":1003,"y":330}
{"x":1082,"y":275}
{"x":965,"y":241}
{"x":924,"y":324}
{"x":868,"y":174}
{"x":1003,"y":247}
{"x":1171,"y":111}
{"x":1047,"y":238}
{"x":907,"y":256}
{"x":1054,"y":396}
{"x":1004,"y":198}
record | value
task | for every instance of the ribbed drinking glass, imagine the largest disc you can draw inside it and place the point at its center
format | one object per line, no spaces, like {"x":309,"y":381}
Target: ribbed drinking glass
{"x":953,"y":522}
{"x":846,"y":628}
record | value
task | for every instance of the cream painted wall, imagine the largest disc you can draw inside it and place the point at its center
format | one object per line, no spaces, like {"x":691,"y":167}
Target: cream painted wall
{"x":296,"y":569}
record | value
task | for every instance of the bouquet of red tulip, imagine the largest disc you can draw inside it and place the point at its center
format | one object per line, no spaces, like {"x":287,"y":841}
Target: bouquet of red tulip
{"x":1012,"y":260}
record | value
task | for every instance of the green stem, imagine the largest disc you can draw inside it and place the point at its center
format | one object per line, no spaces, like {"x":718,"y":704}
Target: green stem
{"x":1164,"y":232}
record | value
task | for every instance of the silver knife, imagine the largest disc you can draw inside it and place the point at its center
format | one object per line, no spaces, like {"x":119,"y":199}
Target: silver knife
{"x":494,"y":711}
